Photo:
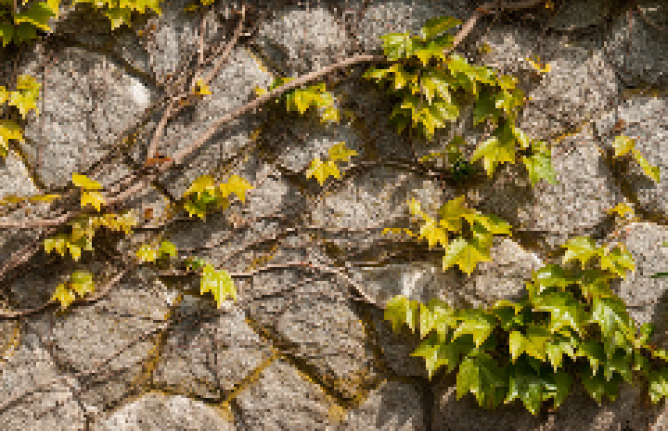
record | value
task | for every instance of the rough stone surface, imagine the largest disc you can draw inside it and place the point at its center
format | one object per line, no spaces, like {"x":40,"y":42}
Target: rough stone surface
{"x":298,"y":349}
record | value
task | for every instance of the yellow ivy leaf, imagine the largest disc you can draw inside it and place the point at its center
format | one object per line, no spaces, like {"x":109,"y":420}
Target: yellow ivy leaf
{"x":651,"y":171}
{"x":24,"y":101}
{"x":321,"y":171}
{"x":202,"y":89}
{"x":538,"y":66}
{"x":57,"y":243}
{"x":259,"y":91}
{"x":236,"y":185}
{"x":75,"y":251}
{"x":82,"y":282}
{"x":219,"y":283}
{"x":331,"y":114}
{"x":202,"y":184}
{"x":93,"y":198}
{"x":10,"y":130}
{"x":126,"y":222}
{"x":340,"y":152}
{"x":433,"y":233}
{"x":621,"y":209}
{"x":146,"y":254}
{"x":85,"y":183}
{"x":64,"y":296}
{"x":43,"y":198}
{"x":622,"y":145}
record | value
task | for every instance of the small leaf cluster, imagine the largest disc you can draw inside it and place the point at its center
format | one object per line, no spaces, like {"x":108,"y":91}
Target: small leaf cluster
{"x":148,"y":254}
{"x":570,"y":324}
{"x":432,"y":93}
{"x":84,"y":226}
{"x":119,"y":12}
{"x":322,"y":170}
{"x":22,"y":26}
{"x":623,"y":145}
{"x":24,"y":98}
{"x":301,"y":99}
{"x":463,"y":252}
{"x":80,"y":282}
{"x":203,"y":195}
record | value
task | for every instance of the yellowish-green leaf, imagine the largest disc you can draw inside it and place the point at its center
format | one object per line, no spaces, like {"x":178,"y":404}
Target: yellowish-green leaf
{"x":64,"y":296}
{"x":85,"y":183}
{"x":201,"y":185}
{"x":10,"y":130}
{"x":75,"y":251}
{"x":93,"y":198}
{"x":82,"y":282}
{"x":433,"y":234}
{"x":236,"y":185}
{"x":494,"y":152}
{"x":622,"y":145}
{"x":58,"y":243}
{"x":202,"y":89}
{"x":321,"y":171}
{"x":219,"y":283}
{"x":167,"y":247}
{"x":651,"y":171}
{"x":146,"y":254}
{"x":340,"y":152}
{"x":622,"y":209}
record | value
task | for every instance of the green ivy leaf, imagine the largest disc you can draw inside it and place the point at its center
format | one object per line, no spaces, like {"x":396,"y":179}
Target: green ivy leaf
{"x":436,"y":26}
{"x":435,"y":83}
{"x":564,"y":310}
{"x":429,"y":349}
{"x":397,"y":46}
{"x":611,"y":315}
{"x":539,"y":166}
{"x":219,"y":283}
{"x":582,"y":249}
{"x":464,"y":253}
{"x":597,"y":385}
{"x":451,"y":214}
{"x":620,"y":363}
{"x":436,"y":315}
{"x":482,"y":376}
{"x":484,"y":108}
{"x":594,"y":284}
{"x":425,"y":51}
{"x":494,"y":151}
{"x":82,"y":282}
{"x":618,"y":262}
{"x":38,"y":15}
{"x":658,"y":384}
{"x":533,"y":387}
{"x":478,"y":323}
{"x":532,"y":342}
{"x":401,"y":310}
{"x":557,"y":346}
{"x":552,"y":275}
{"x":167,"y":247}
{"x":592,"y":350}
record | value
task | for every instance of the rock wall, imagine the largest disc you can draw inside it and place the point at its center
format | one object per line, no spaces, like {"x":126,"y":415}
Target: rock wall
{"x":295,"y":352}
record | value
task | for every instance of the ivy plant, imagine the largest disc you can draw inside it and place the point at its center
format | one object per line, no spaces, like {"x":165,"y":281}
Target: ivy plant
{"x":570,"y":324}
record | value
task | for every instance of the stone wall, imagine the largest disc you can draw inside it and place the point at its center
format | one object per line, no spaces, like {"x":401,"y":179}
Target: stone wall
{"x":295,"y":352}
